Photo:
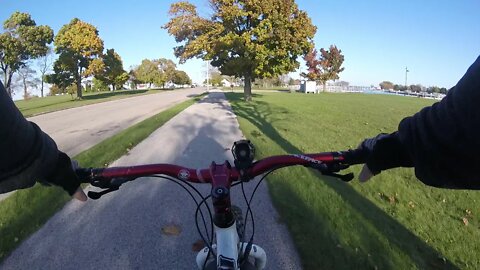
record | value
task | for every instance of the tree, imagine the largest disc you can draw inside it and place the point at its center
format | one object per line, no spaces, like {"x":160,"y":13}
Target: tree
{"x":250,"y":39}
{"x":61,"y":78}
{"x":168,"y":68}
{"x":22,"y":40}
{"x":433,"y":89}
{"x":78,"y":45}
{"x":181,"y":77}
{"x":133,"y":78}
{"x":111,"y":70}
{"x":55,"y":90}
{"x":148,"y":72}
{"x":215,"y":78}
{"x":44,"y":65}
{"x":416,"y":87}
{"x":26,"y":76}
{"x":386,"y":85}
{"x":326,"y":67}
{"x":398,"y":87}
{"x":99,"y":85}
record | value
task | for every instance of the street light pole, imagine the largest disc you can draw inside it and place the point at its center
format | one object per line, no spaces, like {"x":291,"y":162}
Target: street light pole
{"x":406,"y":72}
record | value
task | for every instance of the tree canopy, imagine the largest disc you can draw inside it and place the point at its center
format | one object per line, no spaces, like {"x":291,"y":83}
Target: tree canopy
{"x":386,"y":85}
{"x":149,"y":72}
{"x":21,"y":41}
{"x":168,"y":68}
{"x":110,"y":70}
{"x":181,"y":77}
{"x":78,"y":45}
{"x":249,"y":39}
{"x":325,"y":67}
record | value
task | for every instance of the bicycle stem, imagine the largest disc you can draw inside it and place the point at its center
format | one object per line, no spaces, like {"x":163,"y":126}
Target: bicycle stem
{"x":221,"y":182}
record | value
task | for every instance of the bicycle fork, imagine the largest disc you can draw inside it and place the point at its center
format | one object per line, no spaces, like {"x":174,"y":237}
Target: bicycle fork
{"x":227,"y":251}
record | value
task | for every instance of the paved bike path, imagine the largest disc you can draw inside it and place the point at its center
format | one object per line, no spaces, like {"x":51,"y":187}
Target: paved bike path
{"x":123,"y":230}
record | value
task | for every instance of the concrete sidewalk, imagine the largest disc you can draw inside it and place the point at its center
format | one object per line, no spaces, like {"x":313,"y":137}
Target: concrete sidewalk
{"x":123,"y":230}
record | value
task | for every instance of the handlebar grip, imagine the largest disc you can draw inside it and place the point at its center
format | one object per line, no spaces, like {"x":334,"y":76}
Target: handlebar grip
{"x":84,"y":174}
{"x":355,"y":156}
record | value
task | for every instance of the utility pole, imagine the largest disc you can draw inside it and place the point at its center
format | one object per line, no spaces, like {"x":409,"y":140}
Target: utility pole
{"x":406,"y":72}
{"x":208,"y":67}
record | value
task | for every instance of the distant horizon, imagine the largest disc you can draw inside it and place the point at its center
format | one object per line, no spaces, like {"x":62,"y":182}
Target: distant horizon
{"x":436,"y":40}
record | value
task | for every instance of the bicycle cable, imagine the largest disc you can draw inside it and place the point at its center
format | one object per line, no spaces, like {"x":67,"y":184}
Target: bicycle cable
{"x":210,"y":250}
{"x":177,"y":181}
{"x":249,"y":211}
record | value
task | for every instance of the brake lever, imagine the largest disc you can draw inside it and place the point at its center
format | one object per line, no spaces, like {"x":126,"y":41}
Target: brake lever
{"x":109,"y":186}
{"x":96,"y":195}
{"x":332,"y":169}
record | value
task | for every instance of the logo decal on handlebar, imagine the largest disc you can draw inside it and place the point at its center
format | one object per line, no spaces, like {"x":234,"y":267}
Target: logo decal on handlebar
{"x":309,"y":159}
{"x":183,"y":175}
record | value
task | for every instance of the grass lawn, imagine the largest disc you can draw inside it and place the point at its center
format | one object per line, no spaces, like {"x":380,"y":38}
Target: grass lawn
{"x":25,"y":211}
{"x":256,"y":87}
{"x":36,"y":106}
{"x":390,"y":222}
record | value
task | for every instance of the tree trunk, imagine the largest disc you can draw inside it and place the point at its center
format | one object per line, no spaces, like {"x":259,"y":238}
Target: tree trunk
{"x":324,"y":86}
{"x":25,"y":92}
{"x":247,"y":88}
{"x":41,"y":89}
{"x":79,"y":83}
{"x":7,"y":81}
{"x":79,"y":88}
{"x":113,"y":87}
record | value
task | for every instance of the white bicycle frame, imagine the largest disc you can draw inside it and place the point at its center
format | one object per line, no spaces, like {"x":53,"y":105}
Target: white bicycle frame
{"x":227,"y":247}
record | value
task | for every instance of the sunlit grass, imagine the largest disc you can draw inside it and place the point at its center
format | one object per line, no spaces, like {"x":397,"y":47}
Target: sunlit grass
{"x":391,"y":222}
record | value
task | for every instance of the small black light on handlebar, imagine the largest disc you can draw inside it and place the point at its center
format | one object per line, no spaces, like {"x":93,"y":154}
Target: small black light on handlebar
{"x":243,"y":153}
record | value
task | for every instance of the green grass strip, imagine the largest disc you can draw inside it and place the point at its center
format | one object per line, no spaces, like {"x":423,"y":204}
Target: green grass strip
{"x":25,"y":211}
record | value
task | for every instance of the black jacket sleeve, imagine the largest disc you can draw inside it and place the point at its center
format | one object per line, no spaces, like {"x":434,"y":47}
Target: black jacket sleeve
{"x":443,"y":140}
{"x":27,"y":154}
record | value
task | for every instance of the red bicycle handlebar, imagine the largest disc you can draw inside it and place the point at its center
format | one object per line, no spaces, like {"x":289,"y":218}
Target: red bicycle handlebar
{"x":205,"y":175}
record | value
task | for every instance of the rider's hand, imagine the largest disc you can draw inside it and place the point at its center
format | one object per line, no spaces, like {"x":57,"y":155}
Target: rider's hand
{"x":385,"y":151}
{"x":63,"y":175}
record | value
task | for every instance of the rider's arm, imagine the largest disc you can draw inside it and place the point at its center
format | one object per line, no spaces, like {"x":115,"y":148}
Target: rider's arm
{"x":27,"y":154}
{"x":442,"y":141}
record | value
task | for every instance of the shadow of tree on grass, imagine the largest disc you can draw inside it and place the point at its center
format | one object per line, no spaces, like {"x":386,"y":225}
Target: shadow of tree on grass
{"x":315,"y":234}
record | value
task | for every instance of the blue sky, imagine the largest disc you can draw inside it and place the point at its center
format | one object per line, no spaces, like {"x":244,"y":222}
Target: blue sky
{"x":436,"y":39}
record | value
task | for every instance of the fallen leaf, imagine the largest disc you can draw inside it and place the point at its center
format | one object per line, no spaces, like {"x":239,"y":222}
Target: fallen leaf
{"x":172,"y":229}
{"x":392,"y":199}
{"x":465,"y":221}
{"x":198,"y":245}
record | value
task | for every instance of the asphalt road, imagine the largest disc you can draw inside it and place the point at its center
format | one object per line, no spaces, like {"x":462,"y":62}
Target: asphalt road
{"x":123,"y":230}
{"x":77,"y":129}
